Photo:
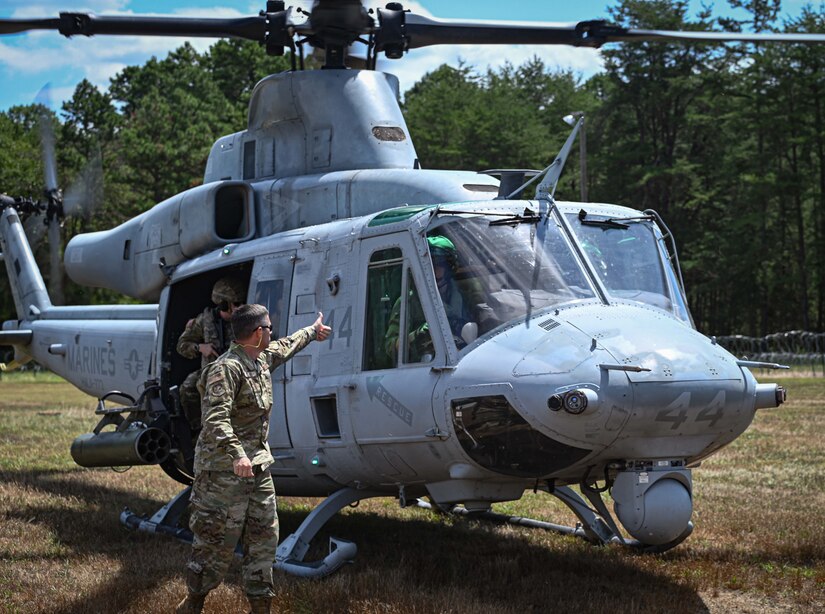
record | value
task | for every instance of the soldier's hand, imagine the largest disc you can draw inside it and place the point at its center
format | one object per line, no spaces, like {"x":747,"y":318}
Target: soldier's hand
{"x":420,"y":333}
{"x":322,"y":331}
{"x":208,"y":350}
{"x":242,"y":467}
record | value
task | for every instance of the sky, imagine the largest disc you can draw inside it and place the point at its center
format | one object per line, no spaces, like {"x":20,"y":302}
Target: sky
{"x":30,"y":61}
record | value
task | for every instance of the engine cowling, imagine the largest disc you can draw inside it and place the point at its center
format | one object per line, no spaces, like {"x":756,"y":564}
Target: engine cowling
{"x":133,"y":258}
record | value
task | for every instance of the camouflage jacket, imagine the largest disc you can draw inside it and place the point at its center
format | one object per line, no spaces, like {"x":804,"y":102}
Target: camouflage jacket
{"x":206,"y":327}
{"x":237,"y":399}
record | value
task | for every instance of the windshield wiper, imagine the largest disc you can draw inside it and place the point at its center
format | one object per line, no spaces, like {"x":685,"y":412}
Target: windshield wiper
{"x":505,"y":219}
{"x":611,"y":222}
{"x":528,"y":217}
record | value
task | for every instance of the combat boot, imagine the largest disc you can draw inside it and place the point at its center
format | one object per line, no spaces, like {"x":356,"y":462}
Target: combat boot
{"x":191,"y":604}
{"x":260,"y":604}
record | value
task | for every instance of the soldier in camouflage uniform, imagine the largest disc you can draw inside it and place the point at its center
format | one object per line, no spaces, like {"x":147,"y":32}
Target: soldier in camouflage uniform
{"x":233,"y":496}
{"x":207,"y":336}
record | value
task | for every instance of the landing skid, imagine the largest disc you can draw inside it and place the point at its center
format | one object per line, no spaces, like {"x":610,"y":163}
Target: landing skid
{"x":597,"y":528}
{"x":164,"y":521}
{"x":289,"y":557}
{"x":290,"y":554}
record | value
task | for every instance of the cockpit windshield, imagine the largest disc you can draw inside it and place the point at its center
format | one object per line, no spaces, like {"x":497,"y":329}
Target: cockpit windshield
{"x":491,"y":270}
{"x":628,"y":258}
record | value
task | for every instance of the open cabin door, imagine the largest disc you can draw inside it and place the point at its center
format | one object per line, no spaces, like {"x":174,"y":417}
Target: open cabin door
{"x":272,"y":281}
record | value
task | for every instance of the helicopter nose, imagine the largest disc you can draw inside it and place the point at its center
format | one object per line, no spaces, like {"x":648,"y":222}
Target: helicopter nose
{"x":689,"y":394}
{"x":626,"y":381}
{"x":648,"y":394}
{"x":599,"y":383}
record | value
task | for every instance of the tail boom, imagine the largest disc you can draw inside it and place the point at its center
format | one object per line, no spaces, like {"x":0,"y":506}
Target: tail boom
{"x":30,"y":295}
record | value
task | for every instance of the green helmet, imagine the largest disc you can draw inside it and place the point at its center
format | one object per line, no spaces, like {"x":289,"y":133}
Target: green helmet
{"x":442,"y":247}
{"x":228,"y":290}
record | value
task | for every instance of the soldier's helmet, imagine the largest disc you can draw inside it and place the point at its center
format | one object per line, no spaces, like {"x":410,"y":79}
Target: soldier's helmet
{"x":228,"y":290}
{"x":442,"y":249}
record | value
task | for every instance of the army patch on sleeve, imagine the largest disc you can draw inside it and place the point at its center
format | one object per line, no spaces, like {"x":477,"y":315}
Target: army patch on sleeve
{"x":217,"y":389}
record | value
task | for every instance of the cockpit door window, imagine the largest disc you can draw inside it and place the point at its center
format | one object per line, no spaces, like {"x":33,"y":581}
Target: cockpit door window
{"x":391,"y":311}
{"x":384,"y":278}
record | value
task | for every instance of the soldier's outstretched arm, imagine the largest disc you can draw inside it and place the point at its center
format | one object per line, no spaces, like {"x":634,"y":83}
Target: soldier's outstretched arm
{"x":281,"y":350}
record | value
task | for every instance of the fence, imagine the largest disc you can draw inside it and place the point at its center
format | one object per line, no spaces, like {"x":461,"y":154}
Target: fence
{"x":801,"y":350}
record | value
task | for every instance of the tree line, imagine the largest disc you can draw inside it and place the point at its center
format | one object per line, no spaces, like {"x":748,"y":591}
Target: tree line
{"x":727,"y":143}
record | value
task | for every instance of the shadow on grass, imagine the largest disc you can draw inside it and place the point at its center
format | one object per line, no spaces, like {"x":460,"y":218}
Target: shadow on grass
{"x":407,"y":558}
{"x":506,"y":570}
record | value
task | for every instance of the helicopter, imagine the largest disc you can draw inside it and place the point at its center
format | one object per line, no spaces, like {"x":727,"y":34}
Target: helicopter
{"x":578,"y":363}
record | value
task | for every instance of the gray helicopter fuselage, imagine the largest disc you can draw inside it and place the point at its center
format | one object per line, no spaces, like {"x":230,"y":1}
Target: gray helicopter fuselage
{"x":657,"y":388}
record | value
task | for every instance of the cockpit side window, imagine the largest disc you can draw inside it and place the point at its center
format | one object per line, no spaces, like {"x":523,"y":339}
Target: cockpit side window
{"x":418,"y":341}
{"x":384,"y":278}
{"x":407,"y":315}
{"x":391,"y":311}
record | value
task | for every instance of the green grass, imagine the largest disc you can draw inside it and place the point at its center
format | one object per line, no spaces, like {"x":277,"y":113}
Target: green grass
{"x":758,"y":546}
{"x":31,"y":376}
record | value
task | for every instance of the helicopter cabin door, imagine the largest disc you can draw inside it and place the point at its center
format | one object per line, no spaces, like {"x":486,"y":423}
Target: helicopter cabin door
{"x":272,"y":279}
{"x":391,"y":400}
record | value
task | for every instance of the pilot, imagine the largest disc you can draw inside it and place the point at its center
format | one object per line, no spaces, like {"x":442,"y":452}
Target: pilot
{"x":233,"y":496}
{"x":457,"y":301}
{"x":445,"y":264}
{"x":207,"y":336}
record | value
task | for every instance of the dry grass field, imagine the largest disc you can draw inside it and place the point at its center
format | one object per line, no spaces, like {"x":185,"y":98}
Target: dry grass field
{"x":758,"y":546}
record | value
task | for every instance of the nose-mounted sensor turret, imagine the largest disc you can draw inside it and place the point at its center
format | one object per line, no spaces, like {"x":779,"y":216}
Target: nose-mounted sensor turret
{"x":573,"y":401}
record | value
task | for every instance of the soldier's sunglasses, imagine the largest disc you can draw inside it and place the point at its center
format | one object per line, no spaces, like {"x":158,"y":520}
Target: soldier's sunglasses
{"x":266,"y":326}
{"x":225,"y":305}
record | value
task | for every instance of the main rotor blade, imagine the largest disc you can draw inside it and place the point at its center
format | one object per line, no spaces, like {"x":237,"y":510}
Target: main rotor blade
{"x":341,"y":22}
{"x":47,"y":140}
{"x":424,"y":31}
{"x":16,"y":26}
{"x":717,"y":37}
{"x":72,"y":24}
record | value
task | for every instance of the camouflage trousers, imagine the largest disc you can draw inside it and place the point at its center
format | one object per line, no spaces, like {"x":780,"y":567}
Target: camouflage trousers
{"x":190,"y":399}
{"x":224,"y":509}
